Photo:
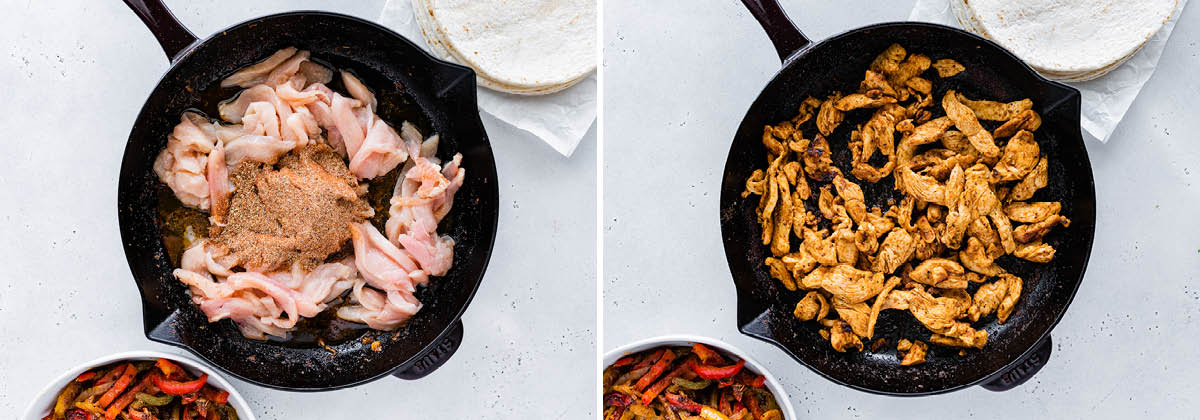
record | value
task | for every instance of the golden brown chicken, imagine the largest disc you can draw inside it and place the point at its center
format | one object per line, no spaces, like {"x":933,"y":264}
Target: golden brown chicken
{"x":965,"y":171}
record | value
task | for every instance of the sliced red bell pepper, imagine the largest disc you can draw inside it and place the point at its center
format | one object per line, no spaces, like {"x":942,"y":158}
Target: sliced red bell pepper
{"x":167,"y":367}
{"x":623,"y":362}
{"x":658,"y":387}
{"x":86,"y":376}
{"x":707,"y":355}
{"x":215,"y":395}
{"x":757,"y":382}
{"x":718,"y":372}
{"x":123,"y":382}
{"x":655,"y":371}
{"x":174,"y":387}
{"x":724,"y":382}
{"x":683,"y":403}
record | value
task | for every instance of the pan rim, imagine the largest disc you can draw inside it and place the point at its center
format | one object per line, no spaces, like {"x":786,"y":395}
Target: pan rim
{"x":732,"y":254}
{"x":427,"y":59}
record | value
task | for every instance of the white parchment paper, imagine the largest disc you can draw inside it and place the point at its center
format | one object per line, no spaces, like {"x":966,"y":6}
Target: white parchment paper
{"x":559,"y":119}
{"x":1105,"y":99}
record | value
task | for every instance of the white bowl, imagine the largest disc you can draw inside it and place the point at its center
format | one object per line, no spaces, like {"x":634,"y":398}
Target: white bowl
{"x":773,"y":385}
{"x":41,"y":405}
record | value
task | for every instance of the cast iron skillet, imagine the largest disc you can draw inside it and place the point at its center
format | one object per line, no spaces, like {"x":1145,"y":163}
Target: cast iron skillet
{"x":1015,"y":350}
{"x":403,"y":77}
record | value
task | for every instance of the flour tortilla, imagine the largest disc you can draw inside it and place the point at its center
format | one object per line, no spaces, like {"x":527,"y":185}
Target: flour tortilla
{"x":1070,"y":40}
{"x":517,"y":46}
{"x":437,"y":44}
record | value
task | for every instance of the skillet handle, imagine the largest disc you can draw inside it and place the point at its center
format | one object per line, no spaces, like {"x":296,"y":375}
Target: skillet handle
{"x":1024,"y":370}
{"x":437,"y":356}
{"x":172,"y":36}
{"x":783,"y":33}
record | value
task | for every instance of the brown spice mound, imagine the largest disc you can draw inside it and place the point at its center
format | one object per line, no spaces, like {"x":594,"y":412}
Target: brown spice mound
{"x":295,"y":212}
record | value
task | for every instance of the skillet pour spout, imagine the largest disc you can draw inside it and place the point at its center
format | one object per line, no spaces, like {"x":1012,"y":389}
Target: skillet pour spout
{"x":1017,"y":349}
{"x":411,"y":85}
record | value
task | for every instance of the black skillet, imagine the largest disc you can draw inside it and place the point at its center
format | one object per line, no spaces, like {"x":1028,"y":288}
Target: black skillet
{"x":1015,"y":350}
{"x":410,"y":83}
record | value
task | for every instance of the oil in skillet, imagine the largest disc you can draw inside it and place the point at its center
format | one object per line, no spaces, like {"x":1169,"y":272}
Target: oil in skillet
{"x":175,"y":220}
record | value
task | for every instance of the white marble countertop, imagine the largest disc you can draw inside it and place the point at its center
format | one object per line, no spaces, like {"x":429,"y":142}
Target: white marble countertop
{"x":677,"y":83}
{"x":75,"y":74}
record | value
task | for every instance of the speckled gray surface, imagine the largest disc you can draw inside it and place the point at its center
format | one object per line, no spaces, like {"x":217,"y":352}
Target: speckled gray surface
{"x":75,"y":75}
{"x":677,"y":83}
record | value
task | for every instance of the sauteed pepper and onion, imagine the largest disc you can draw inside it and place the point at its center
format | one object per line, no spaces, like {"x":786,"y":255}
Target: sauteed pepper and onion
{"x":141,"y":390}
{"x":685,"y":383}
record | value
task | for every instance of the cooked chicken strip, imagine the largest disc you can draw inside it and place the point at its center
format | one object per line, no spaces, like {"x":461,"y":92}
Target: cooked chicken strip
{"x":810,"y":307}
{"x":1032,"y":212}
{"x":897,"y":248}
{"x":1004,"y":228}
{"x":1037,"y":179}
{"x":939,"y":272}
{"x":889,"y":60}
{"x":948,"y":68}
{"x":845,"y":282}
{"x":842,"y":337}
{"x":1020,"y":156}
{"x":1026,"y":120}
{"x":873,"y":80}
{"x":852,"y":197}
{"x":914,"y":352}
{"x":855,"y":101}
{"x":1038,"y":252}
{"x":1012,"y":294}
{"x":996,"y":111}
{"x":975,"y":258}
{"x":779,"y":271}
{"x":966,"y":122}
{"x":857,"y":314}
{"x":987,"y":299}
{"x":1035,"y":231}
{"x":828,"y":116}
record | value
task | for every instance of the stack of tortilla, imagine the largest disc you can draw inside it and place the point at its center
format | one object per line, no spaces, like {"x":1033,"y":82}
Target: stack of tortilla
{"x":1067,"y":40}
{"x":527,"y":47}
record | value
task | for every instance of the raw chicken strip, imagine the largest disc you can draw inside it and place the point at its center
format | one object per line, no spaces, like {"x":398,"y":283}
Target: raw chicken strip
{"x":346,"y":122}
{"x":315,"y":73}
{"x":420,"y":200}
{"x":182,"y":164}
{"x":379,"y":153}
{"x":379,"y":310}
{"x":257,"y":73}
{"x":284,"y":71}
{"x":219,"y":187}
{"x":234,"y":110}
{"x":263,"y":149}
{"x":261,"y":120}
{"x":388,"y":269}
{"x":358,"y":90}
{"x":381,"y":263}
{"x":261,"y":304}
